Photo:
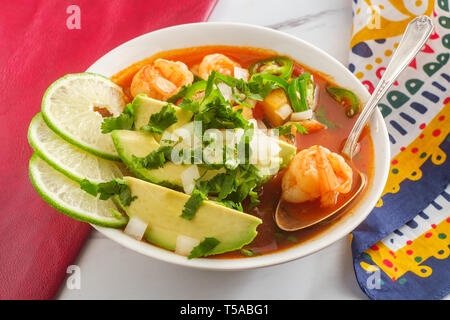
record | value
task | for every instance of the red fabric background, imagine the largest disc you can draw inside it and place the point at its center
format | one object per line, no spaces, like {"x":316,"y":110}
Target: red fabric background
{"x":36,"y":47}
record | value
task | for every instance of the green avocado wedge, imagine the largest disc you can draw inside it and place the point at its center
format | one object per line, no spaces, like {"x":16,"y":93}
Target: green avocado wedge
{"x":144,"y":107}
{"x":140,"y":144}
{"x":161,"y":208}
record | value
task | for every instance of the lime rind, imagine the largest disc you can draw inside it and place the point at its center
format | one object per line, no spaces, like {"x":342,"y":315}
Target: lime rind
{"x":68,"y":159}
{"x":102,"y":146}
{"x":99,"y":212}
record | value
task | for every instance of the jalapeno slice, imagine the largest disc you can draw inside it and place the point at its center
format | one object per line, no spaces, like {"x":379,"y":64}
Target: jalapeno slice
{"x":278,"y":66}
{"x":346,"y":98}
{"x":301,"y":92}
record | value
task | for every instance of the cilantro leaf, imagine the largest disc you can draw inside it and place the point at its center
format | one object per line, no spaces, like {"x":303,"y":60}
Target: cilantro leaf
{"x":322,"y":118}
{"x":232,"y":205}
{"x":300,"y":129}
{"x":161,"y":121}
{"x":204,"y":248}
{"x":249,"y":252}
{"x":223,"y":184}
{"x":191,"y":206}
{"x":109,"y":189}
{"x":217,"y":115}
{"x":123,"y":122}
{"x":286,"y":130}
{"x":209,"y":84}
{"x":155,"y":159}
{"x":179,"y":95}
{"x":89,"y":187}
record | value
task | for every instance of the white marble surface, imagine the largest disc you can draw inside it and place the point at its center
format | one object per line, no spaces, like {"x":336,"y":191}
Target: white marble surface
{"x":109,"y":271}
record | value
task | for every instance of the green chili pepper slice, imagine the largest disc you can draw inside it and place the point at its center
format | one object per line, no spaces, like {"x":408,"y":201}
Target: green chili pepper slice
{"x":188,"y":92}
{"x":347,"y":98}
{"x":278,"y":66}
{"x":293,"y":95}
{"x":301,"y":92}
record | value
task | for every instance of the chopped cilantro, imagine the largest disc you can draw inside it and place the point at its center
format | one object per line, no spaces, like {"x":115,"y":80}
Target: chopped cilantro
{"x":223,"y":184}
{"x":232,"y":187}
{"x":292,"y":238}
{"x":249,"y":252}
{"x":322,"y":118}
{"x":257,"y":88}
{"x":217,"y":115}
{"x":155,"y":159}
{"x":191,"y":206}
{"x":161,"y":121}
{"x":123,"y":122}
{"x":286,"y":130}
{"x":209,"y":84}
{"x":109,"y":189}
{"x":204,"y":248}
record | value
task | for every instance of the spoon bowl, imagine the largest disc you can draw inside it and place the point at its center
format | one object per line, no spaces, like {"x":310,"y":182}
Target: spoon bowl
{"x":287,"y":220}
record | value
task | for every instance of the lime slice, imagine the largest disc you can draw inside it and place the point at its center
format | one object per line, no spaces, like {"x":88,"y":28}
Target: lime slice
{"x":67,"y":197}
{"x":69,"y":108}
{"x":70,"y":160}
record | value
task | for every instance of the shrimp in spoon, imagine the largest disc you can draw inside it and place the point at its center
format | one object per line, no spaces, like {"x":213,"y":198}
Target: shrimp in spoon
{"x":315,"y":173}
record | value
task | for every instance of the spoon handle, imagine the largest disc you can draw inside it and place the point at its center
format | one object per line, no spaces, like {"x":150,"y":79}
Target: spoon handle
{"x":416,"y":33}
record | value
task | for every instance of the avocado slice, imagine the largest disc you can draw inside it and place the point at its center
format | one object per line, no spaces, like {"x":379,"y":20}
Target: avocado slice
{"x":144,"y":107}
{"x":140,"y":144}
{"x":161,"y":208}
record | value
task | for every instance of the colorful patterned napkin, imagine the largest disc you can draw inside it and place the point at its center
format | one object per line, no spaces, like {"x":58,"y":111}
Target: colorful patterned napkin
{"x":402,"y":250}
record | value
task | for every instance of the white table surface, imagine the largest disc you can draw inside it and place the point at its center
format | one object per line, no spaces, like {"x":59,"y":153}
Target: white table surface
{"x":109,"y":271}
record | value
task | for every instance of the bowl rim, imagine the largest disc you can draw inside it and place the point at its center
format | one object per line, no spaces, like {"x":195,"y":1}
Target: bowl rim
{"x":279,"y":256}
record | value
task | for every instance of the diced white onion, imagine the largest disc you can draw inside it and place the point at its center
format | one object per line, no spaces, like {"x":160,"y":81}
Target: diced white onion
{"x":316,"y":98}
{"x":240,"y":73}
{"x":284,"y":112}
{"x":258,"y":124}
{"x":303,"y":115}
{"x":136,"y":228}
{"x":225,"y":90}
{"x":264,"y":149}
{"x":261,"y":125}
{"x":188,"y":178}
{"x":185,"y":244}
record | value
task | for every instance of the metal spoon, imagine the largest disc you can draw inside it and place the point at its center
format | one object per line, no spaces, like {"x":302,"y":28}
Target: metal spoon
{"x":416,"y":33}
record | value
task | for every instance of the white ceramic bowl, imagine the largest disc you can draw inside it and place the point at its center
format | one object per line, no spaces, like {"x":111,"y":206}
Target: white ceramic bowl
{"x":200,"y":34}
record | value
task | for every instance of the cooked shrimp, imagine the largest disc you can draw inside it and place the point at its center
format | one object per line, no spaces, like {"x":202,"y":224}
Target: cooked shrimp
{"x":161,"y":79}
{"x":218,"y":62}
{"x":315,"y":173}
